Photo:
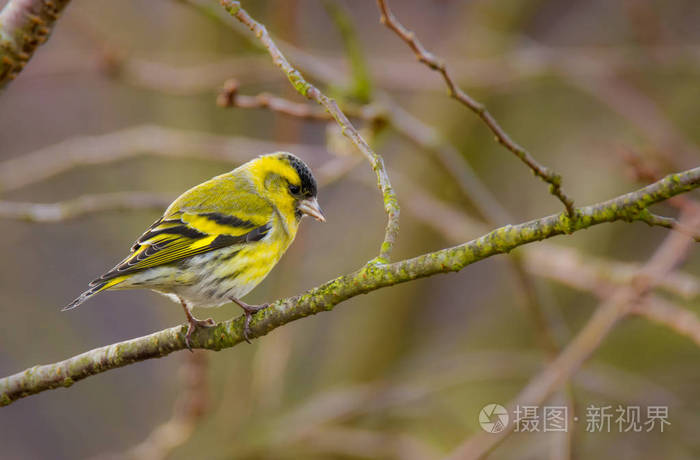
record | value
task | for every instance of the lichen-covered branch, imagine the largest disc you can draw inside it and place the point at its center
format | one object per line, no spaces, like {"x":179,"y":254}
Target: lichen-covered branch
{"x":369,"y":278}
{"x":24,"y":25}
{"x":429,"y":59}
{"x":391,"y":204}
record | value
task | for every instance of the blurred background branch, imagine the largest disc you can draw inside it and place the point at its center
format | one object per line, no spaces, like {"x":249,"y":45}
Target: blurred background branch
{"x":87,"y":204}
{"x":155,"y":140}
{"x":618,"y":304}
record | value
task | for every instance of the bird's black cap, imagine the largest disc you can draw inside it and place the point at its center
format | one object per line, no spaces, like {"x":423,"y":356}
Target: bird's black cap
{"x":308,"y":183}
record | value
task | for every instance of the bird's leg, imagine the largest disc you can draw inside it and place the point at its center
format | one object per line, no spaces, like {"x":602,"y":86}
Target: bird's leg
{"x":248,"y":310}
{"x":193,"y":322}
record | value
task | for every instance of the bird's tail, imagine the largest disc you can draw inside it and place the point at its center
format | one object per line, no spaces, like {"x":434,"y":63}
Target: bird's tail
{"x":96,"y":287}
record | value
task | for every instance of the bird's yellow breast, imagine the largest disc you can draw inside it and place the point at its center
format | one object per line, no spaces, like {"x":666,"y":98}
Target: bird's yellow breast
{"x":254,"y":261}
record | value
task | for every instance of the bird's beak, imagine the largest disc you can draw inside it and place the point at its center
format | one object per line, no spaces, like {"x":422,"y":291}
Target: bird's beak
{"x":310,"y":207}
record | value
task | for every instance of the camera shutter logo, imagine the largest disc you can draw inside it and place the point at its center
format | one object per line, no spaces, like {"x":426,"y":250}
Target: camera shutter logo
{"x":493,"y":418}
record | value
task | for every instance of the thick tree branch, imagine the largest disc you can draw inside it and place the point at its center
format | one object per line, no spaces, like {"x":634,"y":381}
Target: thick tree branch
{"x":391,"y":204}
{"x":429,"y":59}
{"x":24,"y":25}
{"x":369,"y":278}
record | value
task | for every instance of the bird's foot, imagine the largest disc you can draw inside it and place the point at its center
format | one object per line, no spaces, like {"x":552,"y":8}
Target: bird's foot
{"x":194,"y":323}
{"x":248,"y":310}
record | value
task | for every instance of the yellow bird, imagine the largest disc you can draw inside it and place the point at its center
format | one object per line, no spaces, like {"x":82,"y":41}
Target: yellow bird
{"x":218,"y":240}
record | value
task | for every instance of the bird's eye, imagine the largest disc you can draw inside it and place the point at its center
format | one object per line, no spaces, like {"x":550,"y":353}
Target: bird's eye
{"x":294,"y":189}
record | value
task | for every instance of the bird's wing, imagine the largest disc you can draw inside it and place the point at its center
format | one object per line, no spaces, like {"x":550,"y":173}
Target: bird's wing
{"x":190,"y":231}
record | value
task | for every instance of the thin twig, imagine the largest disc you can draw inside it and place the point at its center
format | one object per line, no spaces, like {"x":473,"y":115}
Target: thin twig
{"x":391,"y":205}
{"x":429,"y":59}
{"x":323,"y":298}
{"x":670,"y":223}
{"x":230,"y":97}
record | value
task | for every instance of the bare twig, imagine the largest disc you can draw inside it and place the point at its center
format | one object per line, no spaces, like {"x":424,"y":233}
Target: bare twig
{"x":391,"y":205}
{"x":24,"y":25}
{"x":429,"y":59}
{"x":229,"y":97}
{"x":370,"y":277}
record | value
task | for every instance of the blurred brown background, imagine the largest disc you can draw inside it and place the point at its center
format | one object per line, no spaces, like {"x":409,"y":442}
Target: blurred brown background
{"x":402,"y":372}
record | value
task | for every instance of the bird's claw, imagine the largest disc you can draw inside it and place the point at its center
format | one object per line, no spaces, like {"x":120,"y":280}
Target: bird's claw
{"x":248,"y":311}
{"x":194,"y":324}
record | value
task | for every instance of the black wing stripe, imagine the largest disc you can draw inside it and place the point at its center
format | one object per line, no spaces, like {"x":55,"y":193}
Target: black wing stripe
{"x":219,"y":242}
{"x":231,"y":221}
